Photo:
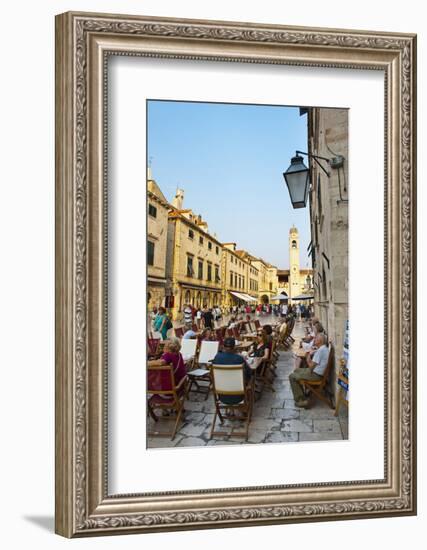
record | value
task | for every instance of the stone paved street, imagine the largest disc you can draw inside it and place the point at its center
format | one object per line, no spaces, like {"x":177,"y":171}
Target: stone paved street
{"x":275,"y":418}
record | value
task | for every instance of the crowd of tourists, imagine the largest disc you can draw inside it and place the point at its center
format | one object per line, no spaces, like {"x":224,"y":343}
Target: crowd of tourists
{"x":200,"y":324}
{"x":211,"y":317}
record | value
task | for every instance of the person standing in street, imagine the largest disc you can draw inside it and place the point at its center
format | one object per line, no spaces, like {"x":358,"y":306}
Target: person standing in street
{"x":199,"y":318}
{"x":208,"y":319}
{"x":188,"y":314}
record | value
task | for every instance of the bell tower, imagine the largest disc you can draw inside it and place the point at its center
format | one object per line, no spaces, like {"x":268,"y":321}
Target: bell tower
{"x":294,"y":285}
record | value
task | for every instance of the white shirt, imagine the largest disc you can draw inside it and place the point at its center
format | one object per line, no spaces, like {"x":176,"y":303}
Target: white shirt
{"x":321,"y":357}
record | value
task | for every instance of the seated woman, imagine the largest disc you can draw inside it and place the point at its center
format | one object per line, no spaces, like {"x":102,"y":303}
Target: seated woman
{"x":207,"y":334}
{"x":267,"y":330}
{"x":170,"y":356}
{"x":232,"y":322}
{"x":261,"y":350}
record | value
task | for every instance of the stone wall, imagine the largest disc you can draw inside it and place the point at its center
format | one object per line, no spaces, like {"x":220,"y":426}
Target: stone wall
{"x":328,"y":137}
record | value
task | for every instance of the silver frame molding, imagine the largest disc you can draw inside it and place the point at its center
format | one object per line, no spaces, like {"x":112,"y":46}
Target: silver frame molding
{"x":83,"y":43}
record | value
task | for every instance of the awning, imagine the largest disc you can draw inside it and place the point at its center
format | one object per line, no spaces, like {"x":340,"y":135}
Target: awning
{"x":302,"y":297}
{"x":250,"y":298}
{"x":243,"y":297}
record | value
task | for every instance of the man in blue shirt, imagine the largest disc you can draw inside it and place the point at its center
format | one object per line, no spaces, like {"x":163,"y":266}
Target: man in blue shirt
{"x":229,"y":357}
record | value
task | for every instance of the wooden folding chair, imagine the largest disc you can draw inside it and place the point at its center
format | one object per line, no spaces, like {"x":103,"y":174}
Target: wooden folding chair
{"x":318,"y":387}
{"x":189,"y":351}
{"x":291,"y":323}
{"x":153,"y":346}
{"x":266,"y":374}
{"x":228,"y":380}
{"x":179,"y":332}
{"x":200,"y":377}
{"x":164,"y":394}
{"x":252,"y":326}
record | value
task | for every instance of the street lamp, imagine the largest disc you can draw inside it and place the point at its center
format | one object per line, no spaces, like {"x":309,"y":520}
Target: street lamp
{"x":297,"y":176}
{"x":297,"y":179}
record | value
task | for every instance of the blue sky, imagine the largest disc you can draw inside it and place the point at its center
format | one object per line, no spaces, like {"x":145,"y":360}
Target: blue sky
{"x":229,"y":160}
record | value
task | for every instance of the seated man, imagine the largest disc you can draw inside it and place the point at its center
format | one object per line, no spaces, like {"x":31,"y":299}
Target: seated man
{"x":229,"y":357}
{"x":317,"y":362}
{"x":189,"y":332}
{"x":309,"y":346}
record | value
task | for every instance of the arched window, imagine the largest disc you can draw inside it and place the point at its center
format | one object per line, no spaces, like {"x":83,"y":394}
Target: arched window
{"x":187,"y":297}
{"x":294,"y":244}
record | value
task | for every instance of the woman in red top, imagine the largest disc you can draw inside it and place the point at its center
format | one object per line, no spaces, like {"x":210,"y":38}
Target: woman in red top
{"x":171,"y":356}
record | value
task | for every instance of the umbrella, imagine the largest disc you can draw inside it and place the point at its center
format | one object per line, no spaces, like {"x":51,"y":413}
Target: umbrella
{"x":280,"y":297}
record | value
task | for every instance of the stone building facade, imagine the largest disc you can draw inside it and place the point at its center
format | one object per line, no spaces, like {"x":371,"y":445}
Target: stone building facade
{"x":235,"y":270}
{"x":190,"y":265}
{"x":193,"y":265}
{"x":157,"y":229}
{"x":328,"y":137}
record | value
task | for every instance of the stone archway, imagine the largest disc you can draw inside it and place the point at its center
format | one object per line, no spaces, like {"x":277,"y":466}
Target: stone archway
{"x":265,"y":299}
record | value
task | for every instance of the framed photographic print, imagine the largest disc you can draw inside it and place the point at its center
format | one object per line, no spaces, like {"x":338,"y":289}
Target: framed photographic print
{"x":235,"y":274}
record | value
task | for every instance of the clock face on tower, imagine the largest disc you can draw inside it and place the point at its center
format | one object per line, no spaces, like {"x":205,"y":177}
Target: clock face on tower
{"x":294,"y":269}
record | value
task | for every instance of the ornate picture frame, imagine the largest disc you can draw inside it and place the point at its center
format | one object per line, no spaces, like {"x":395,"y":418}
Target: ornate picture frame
{"x":83,"y":43}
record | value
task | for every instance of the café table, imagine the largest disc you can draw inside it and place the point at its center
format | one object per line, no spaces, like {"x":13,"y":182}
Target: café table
{"x":243,"y":346}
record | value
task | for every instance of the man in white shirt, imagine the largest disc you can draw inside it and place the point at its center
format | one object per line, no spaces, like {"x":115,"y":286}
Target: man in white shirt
{"x":317,"y":362}
{"x":283,"y":310}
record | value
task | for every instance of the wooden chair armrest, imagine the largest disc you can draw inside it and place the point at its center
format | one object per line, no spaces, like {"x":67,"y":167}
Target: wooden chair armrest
{"x":183,"y":381}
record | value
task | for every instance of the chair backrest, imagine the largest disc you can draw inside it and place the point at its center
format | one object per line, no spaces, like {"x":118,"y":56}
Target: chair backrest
{"x":330,"y":365}
{"x":208,"y":350}
{"x":153,"y":345}
{"x":228,"y":379}
{"x":160,"y":379}
{"x":284,"y":330}
{"x":248,"y":326}
{"x":188,"y":347}
{"x":179,"y":332}
{"x":257,"y":324}
{"x":236,"y":332}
